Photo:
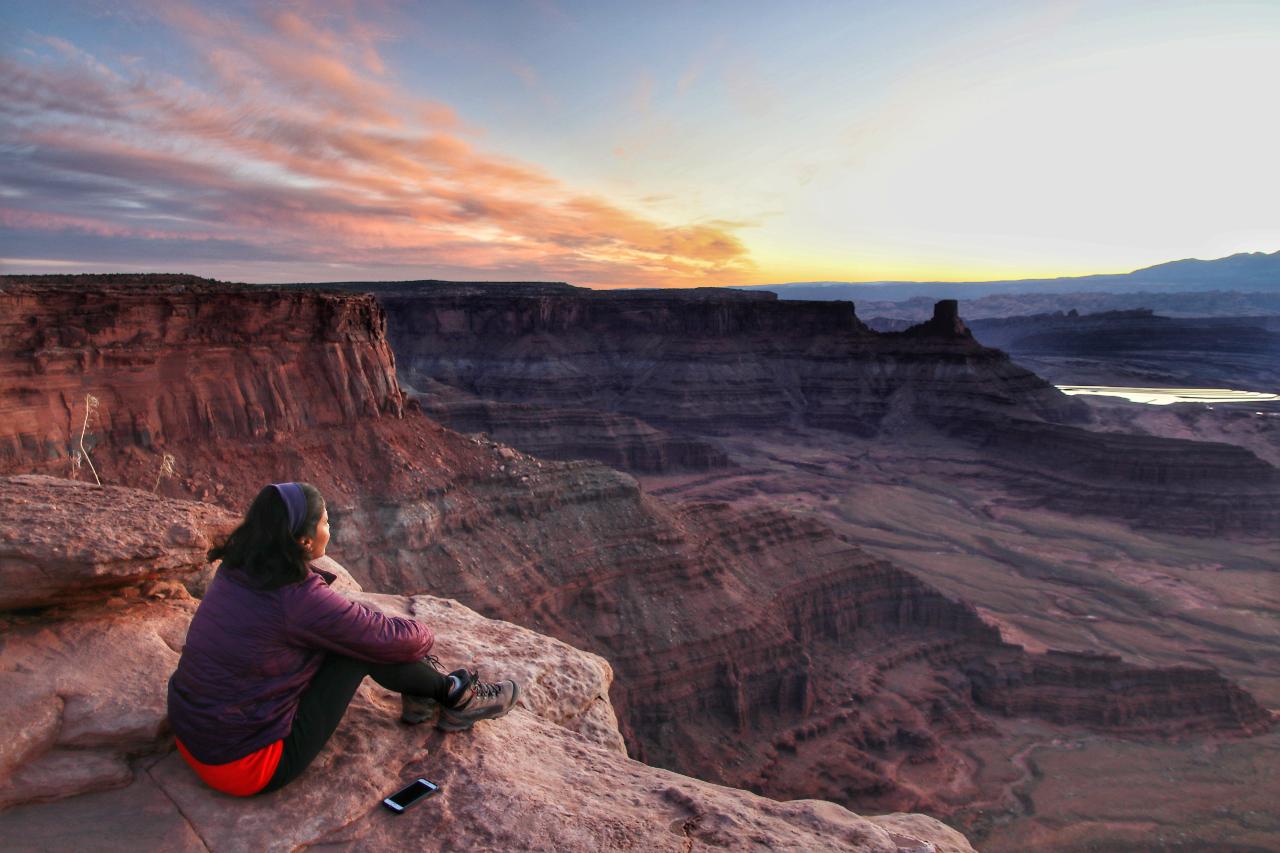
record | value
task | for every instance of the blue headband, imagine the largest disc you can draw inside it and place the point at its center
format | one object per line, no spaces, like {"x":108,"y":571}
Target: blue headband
{"x":295,"y":501}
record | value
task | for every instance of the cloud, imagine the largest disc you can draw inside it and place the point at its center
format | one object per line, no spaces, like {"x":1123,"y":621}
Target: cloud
{"x":295,"y":139}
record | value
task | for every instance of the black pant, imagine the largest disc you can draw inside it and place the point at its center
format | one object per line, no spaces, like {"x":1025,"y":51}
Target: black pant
{"x":326,"y":700}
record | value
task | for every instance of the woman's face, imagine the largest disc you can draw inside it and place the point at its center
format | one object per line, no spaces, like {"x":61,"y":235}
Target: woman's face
{"x":315,"y":545}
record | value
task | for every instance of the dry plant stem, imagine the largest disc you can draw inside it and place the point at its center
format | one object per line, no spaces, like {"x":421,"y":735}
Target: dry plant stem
{"x":88,"y":407}
{"x":166,"y":470}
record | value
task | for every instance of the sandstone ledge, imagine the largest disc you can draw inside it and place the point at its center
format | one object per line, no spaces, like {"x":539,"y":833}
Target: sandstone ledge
{"x":82,"y":700}
{"x":64,"y":541}
{"x":550,"y":776}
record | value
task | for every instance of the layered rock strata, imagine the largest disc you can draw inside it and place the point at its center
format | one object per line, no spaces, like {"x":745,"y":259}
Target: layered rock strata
{"x":704,"y":363}
{"x":1140,"y":348}
{"x":1102,"y":690}
{"x":619,"y":441}
{"x":181,"y":362}
{"x":737,"y":633}
{"x":1255,"y":427}
{"x":1180,"y":485}
{"x":709,"y":365}
{"x":82,"y":699}
{"x":747,"y":628}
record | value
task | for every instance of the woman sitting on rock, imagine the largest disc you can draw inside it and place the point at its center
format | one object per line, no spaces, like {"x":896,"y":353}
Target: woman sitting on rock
{"x":274,"y":656}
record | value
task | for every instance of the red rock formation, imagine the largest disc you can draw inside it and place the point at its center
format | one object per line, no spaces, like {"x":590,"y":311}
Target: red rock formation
{"x":186,"y":362}
{"x":61,"y":543}
{"x":1163,"y":483}
{"x":618,"y":441}
{"x":82,"y":701}
{"x":733,"y":635}
{"x":1102,"y":690}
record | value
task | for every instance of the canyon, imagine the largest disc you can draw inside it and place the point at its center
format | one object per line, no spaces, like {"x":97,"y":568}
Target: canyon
{"x":758,"y":636}
{"x":88,"y":763}
{"x":717,"y":363}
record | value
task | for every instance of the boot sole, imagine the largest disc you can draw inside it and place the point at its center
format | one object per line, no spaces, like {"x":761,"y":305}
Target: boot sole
{"x":444,"y":724}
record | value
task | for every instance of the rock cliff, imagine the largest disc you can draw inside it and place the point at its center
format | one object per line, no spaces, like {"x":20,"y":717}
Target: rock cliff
{"x":708,"y":363}
{"x":1102,"y":690}
{"x":189,"y":360}
{"x":88,"y":761}
{"x":1173,"y":484}
{"x":735,"y":636}
{"x":721,"y":364}
{"x":1140,"y":348}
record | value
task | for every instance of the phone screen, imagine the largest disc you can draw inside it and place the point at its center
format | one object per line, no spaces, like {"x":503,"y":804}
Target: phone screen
{"x":412,"y":793}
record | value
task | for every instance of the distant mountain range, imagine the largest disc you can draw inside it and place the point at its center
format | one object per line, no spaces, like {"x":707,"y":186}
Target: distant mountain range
{"x":1253,"y":272}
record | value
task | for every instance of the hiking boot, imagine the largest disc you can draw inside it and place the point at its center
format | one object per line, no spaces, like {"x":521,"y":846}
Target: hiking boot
{"x":476,"y":700}
{"x":419,"y":709}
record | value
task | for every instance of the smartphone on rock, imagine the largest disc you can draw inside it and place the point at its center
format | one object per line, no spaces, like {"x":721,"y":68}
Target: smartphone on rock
{"x":419,"y":789}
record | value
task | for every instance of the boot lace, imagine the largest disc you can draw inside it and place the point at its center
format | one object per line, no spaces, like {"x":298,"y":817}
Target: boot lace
{"x":485,"y":689}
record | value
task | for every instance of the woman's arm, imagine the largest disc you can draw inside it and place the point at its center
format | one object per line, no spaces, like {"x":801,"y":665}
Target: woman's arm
{"x":318,"y":617}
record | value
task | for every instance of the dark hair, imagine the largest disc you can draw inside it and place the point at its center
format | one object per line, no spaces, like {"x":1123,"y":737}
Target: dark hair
{"x":263,"y":547}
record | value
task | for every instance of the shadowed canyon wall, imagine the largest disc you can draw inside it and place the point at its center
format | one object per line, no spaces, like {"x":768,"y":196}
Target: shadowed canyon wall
{"x":702,"y":364}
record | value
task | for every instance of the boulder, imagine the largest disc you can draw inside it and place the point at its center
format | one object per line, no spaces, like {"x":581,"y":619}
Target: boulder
{"x":565,"y":685}
{"x":80,"y":696}
{"x":63,"y":541}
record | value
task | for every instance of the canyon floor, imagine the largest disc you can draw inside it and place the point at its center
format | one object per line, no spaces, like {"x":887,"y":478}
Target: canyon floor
{"x":1051,"y":580}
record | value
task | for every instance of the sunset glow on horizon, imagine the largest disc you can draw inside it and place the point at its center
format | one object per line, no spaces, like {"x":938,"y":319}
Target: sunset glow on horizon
{"x":670,"y":144}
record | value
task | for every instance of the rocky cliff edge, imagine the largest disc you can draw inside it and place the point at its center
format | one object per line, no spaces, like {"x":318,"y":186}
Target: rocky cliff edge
{"x":88,"y":762}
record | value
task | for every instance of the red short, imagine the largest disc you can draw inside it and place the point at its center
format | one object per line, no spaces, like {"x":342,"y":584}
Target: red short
{"x":242,"y":777}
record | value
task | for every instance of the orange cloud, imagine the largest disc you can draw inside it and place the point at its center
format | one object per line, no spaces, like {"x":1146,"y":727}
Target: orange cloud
{"x":299,"y":141}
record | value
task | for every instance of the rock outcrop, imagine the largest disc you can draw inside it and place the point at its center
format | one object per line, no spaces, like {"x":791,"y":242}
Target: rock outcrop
{"x":182,"y":361}
{"x":945,"y":323}
{"x":1102,"y":690}
{"x":61,"y":543}
{"x":1174,"y":484}
{"x":82,"y":690}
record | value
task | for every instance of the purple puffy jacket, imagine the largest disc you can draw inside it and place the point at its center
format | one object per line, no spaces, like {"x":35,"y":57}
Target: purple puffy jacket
{"x":250,"y":655}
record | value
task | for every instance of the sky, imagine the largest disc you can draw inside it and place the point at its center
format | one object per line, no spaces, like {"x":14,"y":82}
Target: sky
{"x":613,"y":144}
